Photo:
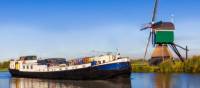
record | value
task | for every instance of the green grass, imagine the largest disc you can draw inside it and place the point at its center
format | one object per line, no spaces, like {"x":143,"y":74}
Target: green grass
{"x":4,"y":66}
{"x":192,"y":65}
{"x":3,"y":69}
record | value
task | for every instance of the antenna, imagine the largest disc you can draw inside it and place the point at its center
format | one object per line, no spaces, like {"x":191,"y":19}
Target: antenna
{"x":172,"y":18}
{"x":117,"y":51}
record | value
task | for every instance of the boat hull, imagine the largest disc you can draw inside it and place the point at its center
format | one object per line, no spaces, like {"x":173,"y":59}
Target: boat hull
{"x":106,"y":71}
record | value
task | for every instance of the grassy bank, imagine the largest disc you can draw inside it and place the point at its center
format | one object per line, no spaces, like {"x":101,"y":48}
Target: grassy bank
{"x":4,"y":66}
{"x":192,"y":65}
{"x":3,"y":69}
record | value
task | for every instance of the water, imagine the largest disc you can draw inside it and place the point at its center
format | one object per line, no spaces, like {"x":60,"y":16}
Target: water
{"x":137,"y":80}
{"x":142,"y":80}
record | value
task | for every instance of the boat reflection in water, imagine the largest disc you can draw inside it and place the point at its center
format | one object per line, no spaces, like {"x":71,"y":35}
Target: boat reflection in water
{"x":45,"y":83}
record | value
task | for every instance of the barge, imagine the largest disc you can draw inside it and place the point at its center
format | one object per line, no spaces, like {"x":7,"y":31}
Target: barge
{"x":87,"y":68}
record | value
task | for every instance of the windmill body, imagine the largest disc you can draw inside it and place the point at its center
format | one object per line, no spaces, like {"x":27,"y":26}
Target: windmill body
{"x":162,"y":37}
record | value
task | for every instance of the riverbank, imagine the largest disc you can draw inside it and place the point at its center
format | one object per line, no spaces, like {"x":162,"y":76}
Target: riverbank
{"x":4,"y":66}
{"x":3,"y":69}
{"x":191,"y":65}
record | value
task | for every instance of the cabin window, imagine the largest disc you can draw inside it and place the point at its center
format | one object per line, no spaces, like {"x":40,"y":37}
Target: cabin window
{"x":23,"y":67}
{"x":27,"y":67}
{"x":104,"y":61}
{"x":99,"y":62}
{"x":31,"y":67}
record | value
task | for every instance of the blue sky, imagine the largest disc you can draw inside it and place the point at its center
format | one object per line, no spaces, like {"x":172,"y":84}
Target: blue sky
{"x":73,"y":28}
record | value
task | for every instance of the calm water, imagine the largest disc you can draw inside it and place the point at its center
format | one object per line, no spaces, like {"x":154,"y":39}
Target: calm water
{"x":137,"y":80}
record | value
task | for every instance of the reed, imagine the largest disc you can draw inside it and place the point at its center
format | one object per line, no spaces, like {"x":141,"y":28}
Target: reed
{"x":191,"y":65}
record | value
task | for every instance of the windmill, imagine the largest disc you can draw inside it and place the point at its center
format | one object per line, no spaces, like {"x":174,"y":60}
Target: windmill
{"x":162,"y":37}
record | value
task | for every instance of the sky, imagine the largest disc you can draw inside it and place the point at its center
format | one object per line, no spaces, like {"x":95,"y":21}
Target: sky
{"x":75,"y":28}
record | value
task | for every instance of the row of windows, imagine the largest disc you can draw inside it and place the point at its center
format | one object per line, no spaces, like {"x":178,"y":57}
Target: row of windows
{"x":99,"y":62}
{"x":27,"y":67}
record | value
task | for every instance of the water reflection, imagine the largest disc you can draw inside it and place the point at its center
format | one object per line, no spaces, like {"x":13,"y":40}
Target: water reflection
{"x":44,"y":83}
{"x":152,"y":80}
{"x":162,"y":80}
{"x":138,"y":80}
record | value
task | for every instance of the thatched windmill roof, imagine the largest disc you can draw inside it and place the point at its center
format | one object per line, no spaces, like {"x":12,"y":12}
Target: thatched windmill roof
{"x":163,"y":25}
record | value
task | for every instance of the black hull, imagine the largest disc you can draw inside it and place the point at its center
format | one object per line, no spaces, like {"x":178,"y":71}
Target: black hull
{"x":79,"y":74}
